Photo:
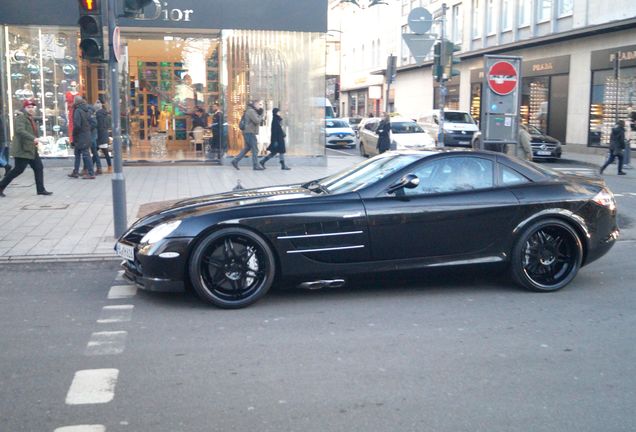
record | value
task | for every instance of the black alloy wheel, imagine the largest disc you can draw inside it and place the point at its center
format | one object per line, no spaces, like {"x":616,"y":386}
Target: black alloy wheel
{"x":547,"y":256}
{"x":232,"y":268}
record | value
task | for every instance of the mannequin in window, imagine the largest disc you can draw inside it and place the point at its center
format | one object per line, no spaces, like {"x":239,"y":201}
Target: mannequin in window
{"x":164,"y":119}
{"x":70,"y":100}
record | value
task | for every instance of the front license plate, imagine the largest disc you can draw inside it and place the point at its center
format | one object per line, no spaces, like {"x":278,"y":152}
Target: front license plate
{"x":464,"y":142}
{"x":342,"y":142}
{"x":544,"y":152}
{"x":125,"y":251}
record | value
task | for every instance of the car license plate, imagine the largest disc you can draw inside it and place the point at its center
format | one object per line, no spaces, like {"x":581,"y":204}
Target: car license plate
{"x":544,"y":152}
{"x":342,"y":142}
{"x":125,"y":251}
{"x":463,"y":142}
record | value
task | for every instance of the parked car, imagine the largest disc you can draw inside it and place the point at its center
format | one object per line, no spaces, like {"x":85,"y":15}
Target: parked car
{"x":544,"y":147}
{"x":459,"y":127}
{"x":405,"y":134}
{"x":397,"y":211}
{"x":338,"y":133}
{"x":354,"y":122}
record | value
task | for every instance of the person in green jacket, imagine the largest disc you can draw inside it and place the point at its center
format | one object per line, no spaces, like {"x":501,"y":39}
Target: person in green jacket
{"x":24,"y":149}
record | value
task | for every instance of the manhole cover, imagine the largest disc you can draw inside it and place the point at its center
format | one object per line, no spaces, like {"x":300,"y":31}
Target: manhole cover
{"x":45,"y":207}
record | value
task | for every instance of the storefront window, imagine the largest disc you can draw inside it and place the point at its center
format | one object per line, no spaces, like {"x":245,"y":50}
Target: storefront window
{"x":42,"y":64}
{"x":475,"y":101}
{"x":612,"y":100}
{"x":534,"y":102}
{"x":452,"y":98}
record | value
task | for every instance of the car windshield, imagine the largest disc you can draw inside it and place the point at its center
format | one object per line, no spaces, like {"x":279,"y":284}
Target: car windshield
{"x":336,"y":124}
{"x":457,"y":117}
{"x":355,"y":120}
{"x":405,"y":127}
{"x":366,"y":173}
{"x":533,"y":130}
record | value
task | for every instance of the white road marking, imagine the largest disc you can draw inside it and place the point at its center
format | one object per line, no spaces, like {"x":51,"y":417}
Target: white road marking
{"x":92,"y":386}
{"x":122,"y":291}
{"x":106,"y":343}
{"x":82,"y":428}
{"x":119,"y":313}
{"x":120,"y":276}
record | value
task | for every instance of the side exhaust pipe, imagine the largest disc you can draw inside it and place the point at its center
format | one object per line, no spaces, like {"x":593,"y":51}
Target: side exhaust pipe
{"x":326,"y":283}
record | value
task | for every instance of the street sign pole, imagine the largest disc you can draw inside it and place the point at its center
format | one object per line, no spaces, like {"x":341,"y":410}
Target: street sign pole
{"x":443,"y":91}
{"x":118,"y":181}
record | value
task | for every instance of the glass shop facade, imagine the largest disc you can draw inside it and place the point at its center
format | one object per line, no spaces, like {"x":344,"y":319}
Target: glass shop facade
{"x":181,"y":55}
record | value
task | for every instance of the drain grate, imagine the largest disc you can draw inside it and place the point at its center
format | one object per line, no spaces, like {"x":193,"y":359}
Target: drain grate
{"x":45,"y":207}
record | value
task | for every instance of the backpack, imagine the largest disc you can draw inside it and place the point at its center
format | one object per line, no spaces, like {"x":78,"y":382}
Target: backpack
{"x":243,"y":121}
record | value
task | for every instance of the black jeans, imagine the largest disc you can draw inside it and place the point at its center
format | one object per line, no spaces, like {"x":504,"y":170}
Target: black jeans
{"x":20,"y":166}
{"x":610,"y":159}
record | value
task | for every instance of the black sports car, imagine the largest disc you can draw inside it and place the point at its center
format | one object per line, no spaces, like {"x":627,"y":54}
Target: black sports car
{"x":398,"y":210}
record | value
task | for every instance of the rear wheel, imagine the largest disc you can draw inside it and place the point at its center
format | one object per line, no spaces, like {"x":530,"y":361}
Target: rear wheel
{"x":362,"y":152}
{"x":547,"y":256}
{"x":232,"y":268}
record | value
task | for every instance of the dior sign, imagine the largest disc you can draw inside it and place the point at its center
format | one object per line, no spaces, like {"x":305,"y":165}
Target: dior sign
{"x":159,"y":10}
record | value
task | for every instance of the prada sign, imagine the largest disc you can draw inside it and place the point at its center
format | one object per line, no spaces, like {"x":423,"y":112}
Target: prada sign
{"x":283,"y":15}
{"x":604,"y":59}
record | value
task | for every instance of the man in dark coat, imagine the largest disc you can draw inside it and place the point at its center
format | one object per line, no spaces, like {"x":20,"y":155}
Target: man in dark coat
{"x":82,"y":138}
{"x":24,"y":149}
{"x":384,"y":133}
{"x":617,"y":145}
{"x":277,"y":141}
{"x":253,"y":118}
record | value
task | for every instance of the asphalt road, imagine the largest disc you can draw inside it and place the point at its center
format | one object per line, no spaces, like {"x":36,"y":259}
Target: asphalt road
{"x":449,"y":351}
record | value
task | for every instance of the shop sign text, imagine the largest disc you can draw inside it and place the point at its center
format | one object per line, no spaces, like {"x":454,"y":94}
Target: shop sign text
{"x":163,"y":12}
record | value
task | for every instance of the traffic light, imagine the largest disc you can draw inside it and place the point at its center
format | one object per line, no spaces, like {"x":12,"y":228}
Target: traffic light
{"x":91,"y":29}
{"x":134,"y":8}
{"x":449,"y":60}
{"x":437,"y":62}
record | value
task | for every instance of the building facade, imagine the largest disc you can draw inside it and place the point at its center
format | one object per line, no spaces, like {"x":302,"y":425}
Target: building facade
{"x":570,"y":89}
{"x":178,"y":56}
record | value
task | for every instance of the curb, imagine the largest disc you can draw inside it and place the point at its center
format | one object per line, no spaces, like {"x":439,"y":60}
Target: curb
{"x":29,"y":259}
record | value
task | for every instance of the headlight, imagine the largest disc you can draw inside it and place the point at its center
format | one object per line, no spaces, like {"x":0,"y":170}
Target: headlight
{"x":160,"y":232}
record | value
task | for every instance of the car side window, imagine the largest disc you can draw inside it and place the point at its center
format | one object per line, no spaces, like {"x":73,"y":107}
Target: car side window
{"x":453,"y":174}
{"x":509,"y":177}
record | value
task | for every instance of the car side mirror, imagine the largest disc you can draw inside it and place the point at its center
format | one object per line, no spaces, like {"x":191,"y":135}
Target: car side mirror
{"x":409,"y":181}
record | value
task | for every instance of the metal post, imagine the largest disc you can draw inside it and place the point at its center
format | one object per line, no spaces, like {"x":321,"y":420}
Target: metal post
{"x":442,"y":85}
{"x":118,"y":181}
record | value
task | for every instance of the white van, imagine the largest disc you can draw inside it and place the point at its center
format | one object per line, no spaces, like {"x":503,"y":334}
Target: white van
{"x":459,"y":127}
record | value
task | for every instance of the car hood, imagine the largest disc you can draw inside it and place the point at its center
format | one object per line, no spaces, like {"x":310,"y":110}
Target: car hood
{"x":468,"y":127}
{"x":414,"y":140}
{"x":543,"y":139}
{"x":339,"y":130}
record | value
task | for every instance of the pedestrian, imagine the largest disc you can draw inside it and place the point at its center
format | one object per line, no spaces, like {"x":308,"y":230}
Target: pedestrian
{"x":251,"y":121}
{"x":384,"y":133}
{"x":199,"y":119}
{"x":24,"y":149}
{"x":92,"y":119}
{"x":617,"y":145}
{"x":630,"y":137}
{"x":524,"y":142}
{"x":103,"y":137}
{"x":217,"y":129}
{"x":277,"y":141}
{"x":4,"y":149}
{"x":82,"y":139}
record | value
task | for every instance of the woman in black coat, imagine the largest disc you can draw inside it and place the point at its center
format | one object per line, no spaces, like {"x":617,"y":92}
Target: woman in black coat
{"x":384,"y":134}
{"x":103,"y":126}
{"x":277,"y":141}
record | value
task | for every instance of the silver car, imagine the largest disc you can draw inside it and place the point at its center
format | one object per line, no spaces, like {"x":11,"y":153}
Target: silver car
{"x":405,"y":134}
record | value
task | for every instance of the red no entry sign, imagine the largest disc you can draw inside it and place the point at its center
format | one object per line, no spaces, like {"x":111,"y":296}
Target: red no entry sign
{"x":502,"y":78}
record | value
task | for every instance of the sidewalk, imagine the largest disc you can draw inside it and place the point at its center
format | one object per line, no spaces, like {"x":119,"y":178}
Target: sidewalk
{"x":76,"y":222}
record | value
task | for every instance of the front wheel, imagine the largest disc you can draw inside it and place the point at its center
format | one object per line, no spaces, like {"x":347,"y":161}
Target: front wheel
{"x":232,"y":268}
{"x":547,"y":256}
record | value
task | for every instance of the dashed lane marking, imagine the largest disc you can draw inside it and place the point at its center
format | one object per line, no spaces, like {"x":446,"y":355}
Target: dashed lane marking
{"x":92,"y":386}
{"x":82,"y":428}
{"x":119,"y":313}
{"x":106,"y":343}
{"x":122,"y":291}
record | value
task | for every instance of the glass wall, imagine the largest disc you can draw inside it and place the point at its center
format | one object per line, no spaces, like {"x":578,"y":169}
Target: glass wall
{"x":612,"y":100}
{"x":166,"y":79}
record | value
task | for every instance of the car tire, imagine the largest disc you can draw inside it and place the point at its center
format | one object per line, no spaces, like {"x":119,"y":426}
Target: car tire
{"x":232,"y":268}
{"x":363,"y":153}
{"x":547,"y":256}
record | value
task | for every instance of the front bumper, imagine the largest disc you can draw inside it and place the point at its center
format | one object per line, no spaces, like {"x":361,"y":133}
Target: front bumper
{"x":159,"y":267}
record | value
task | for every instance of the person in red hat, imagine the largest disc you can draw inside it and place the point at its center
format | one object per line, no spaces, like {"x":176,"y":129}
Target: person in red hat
{"x":24,"y":149}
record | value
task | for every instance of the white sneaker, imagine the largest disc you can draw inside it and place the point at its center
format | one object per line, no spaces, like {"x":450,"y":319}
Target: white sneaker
{"x":627,"y":166}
